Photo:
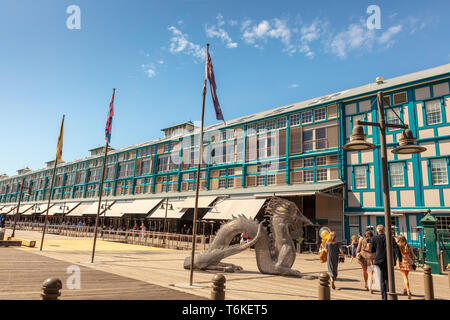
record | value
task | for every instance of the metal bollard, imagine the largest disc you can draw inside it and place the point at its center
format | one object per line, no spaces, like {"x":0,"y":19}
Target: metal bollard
{"x":51,"y":288}
{"x":218,"y":288}
{"x":324,"y":286}
{"x":428,"y":283}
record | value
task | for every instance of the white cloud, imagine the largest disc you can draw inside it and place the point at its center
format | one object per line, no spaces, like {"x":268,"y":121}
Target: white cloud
{"x":386,"y":37}
{"x":161,"y":61}
{"x":180,"y":43}
{"x":149,"y":70}
{"x":264,"y":30}
{"x":294,"y":85}
{"x":356,"y":36}
{"x":218,"y":32}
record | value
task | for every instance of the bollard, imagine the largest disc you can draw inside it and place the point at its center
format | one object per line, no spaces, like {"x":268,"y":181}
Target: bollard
{"x":51,"y":288}
{"x":428,"y":283}
{"x":218,"y":288}
{"x":324,"y":286}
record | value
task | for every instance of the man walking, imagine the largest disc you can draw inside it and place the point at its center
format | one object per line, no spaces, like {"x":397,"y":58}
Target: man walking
{"x":379,"y":248}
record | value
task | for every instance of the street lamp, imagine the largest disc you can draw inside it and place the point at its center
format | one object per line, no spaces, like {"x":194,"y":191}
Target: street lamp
{"x":22,"y":186}
{"x":407,"y":146}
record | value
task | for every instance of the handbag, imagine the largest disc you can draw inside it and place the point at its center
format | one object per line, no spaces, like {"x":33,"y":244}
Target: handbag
{"x":322,"y":256}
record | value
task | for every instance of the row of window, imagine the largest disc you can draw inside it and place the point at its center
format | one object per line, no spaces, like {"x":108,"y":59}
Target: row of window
{"x":438,"y":169}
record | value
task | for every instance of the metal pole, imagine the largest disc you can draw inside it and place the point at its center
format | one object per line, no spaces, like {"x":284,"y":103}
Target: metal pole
{"x":386,"y":200}
{"x":48,"y":203}
{"x":197,"y":186}
{"x":17,"y":212}
{"x":100,"y":199}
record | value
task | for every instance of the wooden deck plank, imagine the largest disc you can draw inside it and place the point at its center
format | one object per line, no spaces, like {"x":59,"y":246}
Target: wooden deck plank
{"x":23,"y":274}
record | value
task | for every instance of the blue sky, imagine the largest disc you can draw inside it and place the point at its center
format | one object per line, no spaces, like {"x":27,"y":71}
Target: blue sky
{"x":265,"y":54}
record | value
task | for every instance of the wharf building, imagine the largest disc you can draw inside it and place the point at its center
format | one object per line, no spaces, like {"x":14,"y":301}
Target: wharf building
{"x":294,"y":151}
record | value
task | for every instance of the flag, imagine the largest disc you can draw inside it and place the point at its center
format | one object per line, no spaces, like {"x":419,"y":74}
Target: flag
{"x":212,"y":85}
{"x":59,"y":145}
{"x":109,"y":119}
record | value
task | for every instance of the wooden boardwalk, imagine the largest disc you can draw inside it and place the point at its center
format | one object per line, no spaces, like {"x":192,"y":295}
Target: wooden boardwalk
{"x":23,"y":274}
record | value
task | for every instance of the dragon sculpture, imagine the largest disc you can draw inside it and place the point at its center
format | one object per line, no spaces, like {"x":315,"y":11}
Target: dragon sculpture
{"x":272,"y":239}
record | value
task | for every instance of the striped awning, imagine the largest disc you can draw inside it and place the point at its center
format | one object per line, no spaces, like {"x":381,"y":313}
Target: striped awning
{"x":203,"y":202}
{"x":174,"y":210}
{"x":225,"y":210}
{"x":38,"y":209}
{"x":78,"y":210}
{"x":93,"y":208}
{"x":62,"y":208}
{"x":136,"y":207}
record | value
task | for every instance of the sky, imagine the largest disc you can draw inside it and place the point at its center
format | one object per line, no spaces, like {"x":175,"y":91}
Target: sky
{"x":266,"y":54}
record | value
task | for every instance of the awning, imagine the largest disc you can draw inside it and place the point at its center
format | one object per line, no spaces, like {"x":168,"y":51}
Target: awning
{"x":225,"y":210}
{"x":11,"y":210}
{"x":93,"y":208}
{"x":136,"y":207}
{"x":38,"y":209}
{"x":78,"y":210}
{"x":24,"y":208}
{"x":203,"y":202}
{"x":174,"y":210}
{"x":62,"y":208}
{"x":117,"y":210}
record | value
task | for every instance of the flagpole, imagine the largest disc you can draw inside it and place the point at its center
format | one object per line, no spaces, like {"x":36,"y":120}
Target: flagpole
{"x":101,"y":191}
{"x":51,"y":194}
{"x":197,"y":183}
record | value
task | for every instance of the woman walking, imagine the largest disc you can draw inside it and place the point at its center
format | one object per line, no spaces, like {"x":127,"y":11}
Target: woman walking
{"x":353,"y":244}
{"x":332,"y":249}
{"x":365,"y":258}
{"x":406,"y":265}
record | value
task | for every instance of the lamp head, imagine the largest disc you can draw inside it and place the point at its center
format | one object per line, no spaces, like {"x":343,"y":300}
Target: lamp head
{"x":407,"y":144}
{"x":358,"y":140}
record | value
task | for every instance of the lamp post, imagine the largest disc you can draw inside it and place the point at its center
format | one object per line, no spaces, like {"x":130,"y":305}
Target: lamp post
{"x":18,"y":205}
{"x":407,"y":146}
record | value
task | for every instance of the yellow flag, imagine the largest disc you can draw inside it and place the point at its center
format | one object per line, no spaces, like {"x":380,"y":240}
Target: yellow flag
{"x":59,"y":146}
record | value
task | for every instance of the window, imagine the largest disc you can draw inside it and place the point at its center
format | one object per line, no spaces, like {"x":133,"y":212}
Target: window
{"x":433,"y":111}
{"x":319,"y":114}
{"x":230,"y":183}
{"x":222,"y":172}
{"x":230,"y":171}
{"x":307,"y":116}
{"x":308,"y":176}
{"x":271,"y":179}
{"x":222,"y":183}
{"x":321,"y":138}
{"x":125,"y":169}
{"x":308,"y":162}
{"x":439,"y":173}
{"x":294,"y":119}
{"x":397,"y":174}
{"x":190,"y":185}
{"x":260,"y":127}
{"x":391,"y":117}
{"x":260,"y":180}
{"x":400,"y":98}
{"x":356,"y":118}
{"x":271,"y":124}
{"x":360,"y":177}
{"x":307,"y":141}
{"x":321,"y":174}
{"x":321,"y":161}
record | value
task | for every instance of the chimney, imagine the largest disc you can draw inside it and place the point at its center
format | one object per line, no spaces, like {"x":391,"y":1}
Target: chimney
{"x":379,"y":80}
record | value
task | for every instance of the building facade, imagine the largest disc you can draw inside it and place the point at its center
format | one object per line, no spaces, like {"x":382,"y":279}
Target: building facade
{"x":294,"y":151}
